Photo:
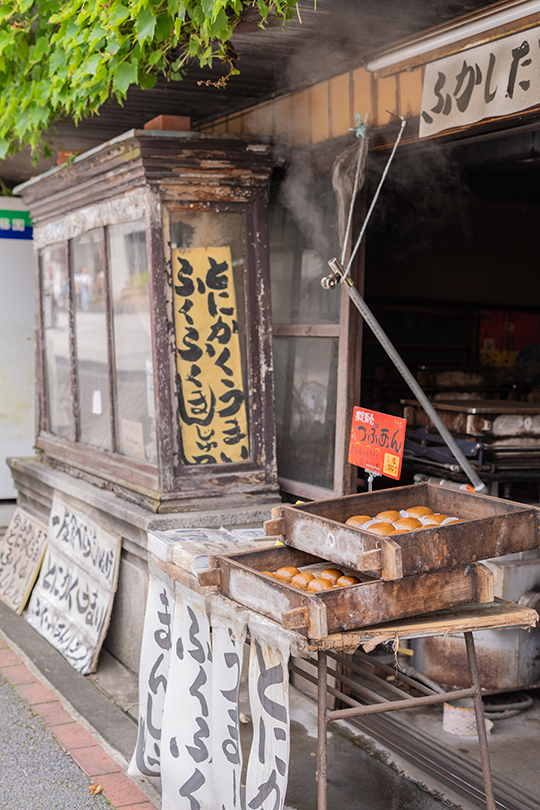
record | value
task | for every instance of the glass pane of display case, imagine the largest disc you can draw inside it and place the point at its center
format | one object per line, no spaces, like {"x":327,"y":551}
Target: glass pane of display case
{"x":91,"y":338}
{"x":56,"y":334}
{"x":209,"y":306}
{"x":299,"y":254}
{"x":305,"y":371}
{"x":135,"y":410}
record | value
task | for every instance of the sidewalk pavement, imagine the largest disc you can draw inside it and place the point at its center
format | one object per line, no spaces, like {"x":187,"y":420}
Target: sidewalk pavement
{"x":38,"y":731}
{"x":94,"y":720}
{"x":67,"y":711}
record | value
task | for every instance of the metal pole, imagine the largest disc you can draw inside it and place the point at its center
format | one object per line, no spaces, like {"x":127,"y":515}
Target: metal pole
{"x":322,"y":711}
{"x":480,"y":722}
{"x":389,"y":348}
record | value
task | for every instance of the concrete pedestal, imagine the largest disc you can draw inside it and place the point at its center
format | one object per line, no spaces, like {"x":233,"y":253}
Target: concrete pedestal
{"x":36,"y":482}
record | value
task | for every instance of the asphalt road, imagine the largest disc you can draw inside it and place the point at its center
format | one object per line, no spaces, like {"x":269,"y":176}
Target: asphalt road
{"x":35,"y":772}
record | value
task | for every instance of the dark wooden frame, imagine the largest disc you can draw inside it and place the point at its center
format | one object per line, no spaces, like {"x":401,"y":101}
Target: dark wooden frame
{"x":349,"y":334}
{"x":167,"y":169}
{"x":258,"y":345}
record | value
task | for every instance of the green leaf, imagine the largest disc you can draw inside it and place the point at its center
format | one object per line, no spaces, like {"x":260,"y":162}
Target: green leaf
{"x":57,"y":58}
{"x":7,"y":38}
{"x":263,"y":9}
{"x":113,"y":45}
{"x":147,"y":81}
{"x":221,"y":29}
{"x":96,"y":33}
{"x":66,"y":59}
{"x":164,"y":27}
{"x":118,"y":15}
{"x":125,"y":74}
{"x":146,"y":23}
{"x":71,"y":30}
{"x":155,"y":57}
{"x":197,"y":15}
{"x":92,"y":64}
{"x":42,"y":45}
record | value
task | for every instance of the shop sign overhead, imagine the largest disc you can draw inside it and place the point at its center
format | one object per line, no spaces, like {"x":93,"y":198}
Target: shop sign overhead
{"x":491,"y":81}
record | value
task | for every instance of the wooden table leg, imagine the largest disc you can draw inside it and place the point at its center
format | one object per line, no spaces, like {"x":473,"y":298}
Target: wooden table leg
{"x":322,"y":710}
{"x":480,"y":722}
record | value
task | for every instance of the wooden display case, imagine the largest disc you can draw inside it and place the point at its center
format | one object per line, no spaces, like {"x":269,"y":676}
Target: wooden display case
{"x":154,"y":357}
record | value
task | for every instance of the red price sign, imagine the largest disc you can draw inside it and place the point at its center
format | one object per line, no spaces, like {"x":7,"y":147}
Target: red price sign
{"x":377,"y":441}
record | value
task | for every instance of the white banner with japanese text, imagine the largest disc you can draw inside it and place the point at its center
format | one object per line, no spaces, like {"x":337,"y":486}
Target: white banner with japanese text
{"x":268,"y":765}
{"x":72,"y":602}
{"x":153,"y":672}
{"x":189,"y":679}
{"x":490,"y":81}
{"x":186,"y":752}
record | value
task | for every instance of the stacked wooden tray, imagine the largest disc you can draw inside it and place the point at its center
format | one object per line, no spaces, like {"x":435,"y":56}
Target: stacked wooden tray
{"x":401,"y":575}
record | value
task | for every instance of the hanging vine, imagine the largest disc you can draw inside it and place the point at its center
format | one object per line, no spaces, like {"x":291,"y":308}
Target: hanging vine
{"x":61,"y":58}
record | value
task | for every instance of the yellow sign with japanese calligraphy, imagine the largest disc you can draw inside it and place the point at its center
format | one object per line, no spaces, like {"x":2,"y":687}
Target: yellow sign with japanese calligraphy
{"x":212,"y":402}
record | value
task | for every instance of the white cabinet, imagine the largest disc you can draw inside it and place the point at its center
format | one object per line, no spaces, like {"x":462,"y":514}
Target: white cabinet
{"x":17,"y":364}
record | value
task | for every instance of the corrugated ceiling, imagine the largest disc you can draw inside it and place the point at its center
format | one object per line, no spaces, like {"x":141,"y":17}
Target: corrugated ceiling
{"x":327,"y":41}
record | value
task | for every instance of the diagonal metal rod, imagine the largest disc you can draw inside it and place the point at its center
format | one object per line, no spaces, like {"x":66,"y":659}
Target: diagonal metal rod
{"x":395,"y":690}
{"x":420,"y":687}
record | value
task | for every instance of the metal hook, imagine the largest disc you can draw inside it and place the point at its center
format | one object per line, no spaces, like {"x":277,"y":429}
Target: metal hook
{"x":370,"y":479}
{"x":361,"y":129}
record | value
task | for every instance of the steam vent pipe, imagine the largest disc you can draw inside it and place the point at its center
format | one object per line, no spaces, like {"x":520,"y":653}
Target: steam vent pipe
{"x":382,"y":337}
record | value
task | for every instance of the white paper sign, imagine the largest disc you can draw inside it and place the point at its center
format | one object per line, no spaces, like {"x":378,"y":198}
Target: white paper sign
{"x":153,"y":672}
{"x":97,"y":404}
{"x":186,"y":755}
{"x":150,"y":401}
{"x":21,"y":553}
{"x":228,"y":652}
{"x":132,"y":438}
{"x":72,"y":602}
{"x":268,"y":766}
{"x":493,"y":80}
{"x":189,"y":680}
{"x":192,"y":548}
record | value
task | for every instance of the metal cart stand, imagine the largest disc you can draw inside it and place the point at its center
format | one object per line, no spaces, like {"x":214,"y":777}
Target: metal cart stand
{"x":497,"y":615}
{"x":218,"y":611}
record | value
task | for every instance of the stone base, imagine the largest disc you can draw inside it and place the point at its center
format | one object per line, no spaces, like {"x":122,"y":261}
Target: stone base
{"x":36,"y":483}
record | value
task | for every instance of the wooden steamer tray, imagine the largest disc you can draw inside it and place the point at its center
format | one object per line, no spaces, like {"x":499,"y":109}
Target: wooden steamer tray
{"x":317,"y":615}
{"x":493,"y":527}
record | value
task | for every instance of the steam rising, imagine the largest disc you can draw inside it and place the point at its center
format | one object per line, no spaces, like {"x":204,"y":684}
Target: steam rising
{"x":425,"y":183}
{"x":311,"y":202}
